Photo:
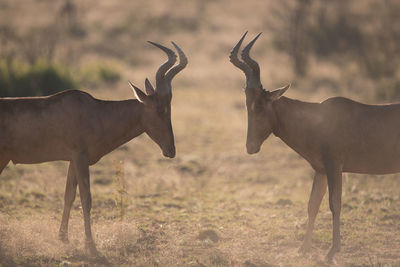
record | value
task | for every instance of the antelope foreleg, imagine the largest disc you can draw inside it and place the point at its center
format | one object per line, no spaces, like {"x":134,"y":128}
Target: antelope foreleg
{"x":317,"y":193}
{"x":69,"y":197}
{"x":81,"y":168}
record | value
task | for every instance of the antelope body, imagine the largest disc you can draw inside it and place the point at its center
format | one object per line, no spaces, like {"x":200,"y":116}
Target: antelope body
{"x":33,"y":130}
{"x":73,"y":126}
{"x":335,"y":136}
{"x":362,"y":138}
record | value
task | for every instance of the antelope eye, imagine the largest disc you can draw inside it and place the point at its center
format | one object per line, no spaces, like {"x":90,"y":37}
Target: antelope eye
{"x":256,"y":107}
{"x":162,"y":111}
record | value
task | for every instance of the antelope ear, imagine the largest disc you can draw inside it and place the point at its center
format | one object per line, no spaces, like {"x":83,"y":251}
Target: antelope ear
{"x":149,"y":87}
{"x":142,"y":97}
{"x":276,"y":94}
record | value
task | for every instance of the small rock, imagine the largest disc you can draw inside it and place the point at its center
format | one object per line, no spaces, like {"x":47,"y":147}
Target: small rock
{"x":208,"y":234}
{"x":284,"y":202}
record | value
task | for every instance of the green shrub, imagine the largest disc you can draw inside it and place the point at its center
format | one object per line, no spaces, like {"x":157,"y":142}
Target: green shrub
{"x":388,"y":89}
{"x":108,"y":74}
{"x":41,"y":78}
{"x":99,"y":74}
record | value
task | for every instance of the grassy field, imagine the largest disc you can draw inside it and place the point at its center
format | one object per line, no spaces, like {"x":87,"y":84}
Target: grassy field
{"x":212,"y":205}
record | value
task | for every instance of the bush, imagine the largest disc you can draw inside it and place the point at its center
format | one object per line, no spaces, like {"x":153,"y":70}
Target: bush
{"x":99,"y":74}
{"x":41,"y":78}
{"x":343,"y":31}
{"x":388,"y":89}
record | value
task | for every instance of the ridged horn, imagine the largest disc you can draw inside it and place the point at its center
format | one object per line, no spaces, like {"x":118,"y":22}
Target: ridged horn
{"x":182,"y":64}
{"x":161,"y":84}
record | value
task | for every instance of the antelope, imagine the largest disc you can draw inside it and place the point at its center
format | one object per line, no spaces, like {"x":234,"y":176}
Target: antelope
{"x":335,"y":136}
{"x":76,"y":127}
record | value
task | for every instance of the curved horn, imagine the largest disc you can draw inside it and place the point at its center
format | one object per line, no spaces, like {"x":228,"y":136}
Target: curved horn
{"x":235,"y":60}
{"x":182,"y":64}
{"x":161,"y":87}
{"x":251,"y":62}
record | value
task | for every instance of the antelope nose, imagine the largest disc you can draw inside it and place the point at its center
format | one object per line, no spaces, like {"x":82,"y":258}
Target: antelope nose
{"x":252,"y":148}
{"x":170,"y":153}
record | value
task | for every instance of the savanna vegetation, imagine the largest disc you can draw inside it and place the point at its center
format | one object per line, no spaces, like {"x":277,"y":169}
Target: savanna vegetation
{"x":212,"y":205}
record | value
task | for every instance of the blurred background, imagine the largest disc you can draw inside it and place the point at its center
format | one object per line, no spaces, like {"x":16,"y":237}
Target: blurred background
{"x":340,"y":46}
{"x":212,"y":205}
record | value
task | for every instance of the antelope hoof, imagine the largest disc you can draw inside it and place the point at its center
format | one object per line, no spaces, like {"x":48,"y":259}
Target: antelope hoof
{"x":305,"y":247}
{"x":63,"y":237}
{"x":330,"y":260}
{"x":90,"y":249}
{"x":330,"y":256}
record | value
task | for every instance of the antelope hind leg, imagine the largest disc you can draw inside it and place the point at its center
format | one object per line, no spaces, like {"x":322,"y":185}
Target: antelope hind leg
{"x":334,"y":174}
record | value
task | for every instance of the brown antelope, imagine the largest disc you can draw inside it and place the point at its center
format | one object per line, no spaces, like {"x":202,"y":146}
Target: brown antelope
{"x":76,"y":127}
{"x":335,"y":136}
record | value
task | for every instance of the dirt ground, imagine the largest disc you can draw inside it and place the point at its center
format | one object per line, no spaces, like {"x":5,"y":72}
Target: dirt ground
{"x":212,"y":205}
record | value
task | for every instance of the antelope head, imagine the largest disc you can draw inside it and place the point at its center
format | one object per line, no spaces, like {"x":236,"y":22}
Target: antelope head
{"x":156,"y":117}
{"x":261,"y":117}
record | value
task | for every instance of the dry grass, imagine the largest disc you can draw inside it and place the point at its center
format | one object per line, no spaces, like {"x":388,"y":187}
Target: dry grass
{"x":256,"y":205}
{"x":212,"y":205}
